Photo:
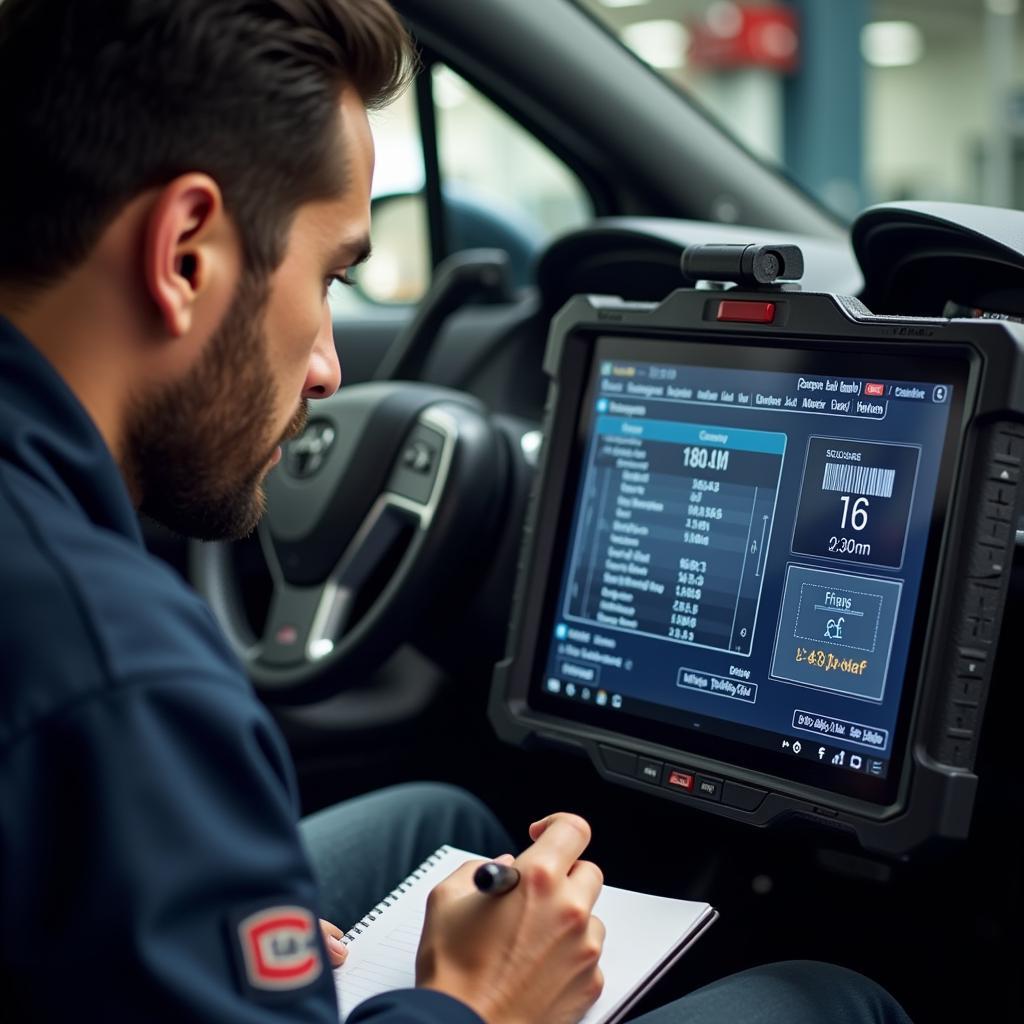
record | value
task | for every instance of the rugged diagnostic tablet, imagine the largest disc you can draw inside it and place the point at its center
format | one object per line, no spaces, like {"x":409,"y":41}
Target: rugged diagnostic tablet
{"x":767,"y":557}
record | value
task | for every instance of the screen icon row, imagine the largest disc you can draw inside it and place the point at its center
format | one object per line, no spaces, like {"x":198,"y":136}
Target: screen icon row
{"x":586,"y":694}
{"x":836,"y":757}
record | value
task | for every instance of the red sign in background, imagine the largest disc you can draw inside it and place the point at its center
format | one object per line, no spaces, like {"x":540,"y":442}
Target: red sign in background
{"x":732,"y":36}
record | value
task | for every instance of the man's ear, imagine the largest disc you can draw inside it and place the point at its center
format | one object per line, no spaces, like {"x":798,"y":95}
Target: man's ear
{"x":185,"y":238}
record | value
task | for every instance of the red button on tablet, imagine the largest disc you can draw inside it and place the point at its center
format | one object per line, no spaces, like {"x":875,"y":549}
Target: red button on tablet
{"x":746,"y":312}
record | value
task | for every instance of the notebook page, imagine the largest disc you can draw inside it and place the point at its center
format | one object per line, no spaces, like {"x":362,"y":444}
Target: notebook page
{"x":383,"y":956}
{"x":642,"y":933}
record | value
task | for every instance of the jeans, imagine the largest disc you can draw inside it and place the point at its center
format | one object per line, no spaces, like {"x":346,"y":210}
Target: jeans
{"x":361,"y":848}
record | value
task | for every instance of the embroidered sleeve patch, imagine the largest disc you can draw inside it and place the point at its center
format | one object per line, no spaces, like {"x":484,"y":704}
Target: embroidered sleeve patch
{"x":280,"y":948}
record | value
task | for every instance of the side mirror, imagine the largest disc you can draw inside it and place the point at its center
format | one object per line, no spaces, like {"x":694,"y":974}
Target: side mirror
{"x":400,"y":270}
{"x":398,"y":273}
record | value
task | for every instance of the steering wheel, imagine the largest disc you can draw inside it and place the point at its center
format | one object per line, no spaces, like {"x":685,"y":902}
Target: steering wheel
{"x":387,"y":489}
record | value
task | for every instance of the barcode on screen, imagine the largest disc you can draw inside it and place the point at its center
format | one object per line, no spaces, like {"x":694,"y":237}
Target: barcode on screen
{"x":869,"y":480}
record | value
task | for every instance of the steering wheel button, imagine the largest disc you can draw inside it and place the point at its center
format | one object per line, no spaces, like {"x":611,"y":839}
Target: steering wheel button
{"x":286,"y":636}
{"x":418,"y":457}
{"x":417,"y":465}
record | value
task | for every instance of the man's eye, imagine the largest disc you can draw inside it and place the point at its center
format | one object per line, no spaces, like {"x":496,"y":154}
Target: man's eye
{"x":344,"y":279}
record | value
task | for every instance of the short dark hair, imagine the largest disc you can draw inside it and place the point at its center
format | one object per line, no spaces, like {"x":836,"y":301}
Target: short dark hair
{"x":103,"y":99}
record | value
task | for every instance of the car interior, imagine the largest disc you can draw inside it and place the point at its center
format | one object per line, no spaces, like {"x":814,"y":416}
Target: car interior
{"x":698,"y":517}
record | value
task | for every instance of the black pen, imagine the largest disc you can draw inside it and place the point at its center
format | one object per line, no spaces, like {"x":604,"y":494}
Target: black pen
{"x":495,"y":879}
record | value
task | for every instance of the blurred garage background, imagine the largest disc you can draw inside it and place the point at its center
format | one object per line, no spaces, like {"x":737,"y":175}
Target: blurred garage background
{"x":858,"y":101}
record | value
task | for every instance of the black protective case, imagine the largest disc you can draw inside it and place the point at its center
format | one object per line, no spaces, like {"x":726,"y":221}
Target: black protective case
{"x":936,"y":788}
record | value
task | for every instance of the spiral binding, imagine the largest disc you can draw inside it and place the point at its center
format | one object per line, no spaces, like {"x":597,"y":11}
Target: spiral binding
{"x":392,"y":897}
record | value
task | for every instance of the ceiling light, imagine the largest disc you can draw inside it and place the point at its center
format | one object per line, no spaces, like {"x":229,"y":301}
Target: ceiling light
{"x":891,"y":44}
{"x":624,"y":3}
{"x":661,"y":43}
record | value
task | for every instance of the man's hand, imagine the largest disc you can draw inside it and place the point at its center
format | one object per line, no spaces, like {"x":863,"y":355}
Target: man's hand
{"x":336,"y":949}
{"x":527,"y":956}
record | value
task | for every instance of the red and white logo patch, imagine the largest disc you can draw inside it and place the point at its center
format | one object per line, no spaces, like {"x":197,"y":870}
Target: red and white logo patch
{"x":280,"y":948}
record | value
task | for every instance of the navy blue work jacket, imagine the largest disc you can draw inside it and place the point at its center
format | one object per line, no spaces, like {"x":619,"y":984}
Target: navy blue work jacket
{"x":150,"y":865}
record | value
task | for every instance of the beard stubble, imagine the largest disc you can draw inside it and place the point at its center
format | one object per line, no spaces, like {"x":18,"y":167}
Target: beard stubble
{"x":197,"y":452}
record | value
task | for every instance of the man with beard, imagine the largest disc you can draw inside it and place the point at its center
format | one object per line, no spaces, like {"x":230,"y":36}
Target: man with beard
{"x":182,"y":182}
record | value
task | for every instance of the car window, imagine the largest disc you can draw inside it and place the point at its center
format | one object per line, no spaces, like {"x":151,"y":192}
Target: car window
{"x":860,"y":101}
{"x":501,"y":186}
{"x":486,"y":154}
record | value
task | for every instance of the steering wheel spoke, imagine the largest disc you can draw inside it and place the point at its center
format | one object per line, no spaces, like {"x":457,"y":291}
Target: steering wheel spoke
{"x":305,"y":624}
{"x":290,"y":636}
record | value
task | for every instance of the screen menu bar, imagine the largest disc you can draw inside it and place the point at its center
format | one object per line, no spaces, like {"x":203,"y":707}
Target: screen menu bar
{"x":626,"y":383}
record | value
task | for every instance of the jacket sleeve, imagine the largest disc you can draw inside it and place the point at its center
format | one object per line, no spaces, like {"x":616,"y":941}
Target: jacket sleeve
{"x":413,"y":1006}
{"x":149,"y":837}
{"x":152,"y":869}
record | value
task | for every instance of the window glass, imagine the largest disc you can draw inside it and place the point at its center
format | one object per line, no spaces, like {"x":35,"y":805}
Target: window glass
{"x":397,"y":170}
{"x":860,"y":101}
{"x":490,"y":158}
{"x":502,"y":188}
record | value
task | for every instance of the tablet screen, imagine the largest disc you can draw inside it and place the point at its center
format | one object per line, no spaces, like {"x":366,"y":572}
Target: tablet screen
{"x":745,"y":554}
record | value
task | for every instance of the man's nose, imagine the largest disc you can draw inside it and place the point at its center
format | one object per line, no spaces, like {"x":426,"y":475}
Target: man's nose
{"x":323,"y":377}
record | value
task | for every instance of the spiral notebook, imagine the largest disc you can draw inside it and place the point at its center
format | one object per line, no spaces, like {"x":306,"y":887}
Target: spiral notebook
{"x":646,"y":935}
